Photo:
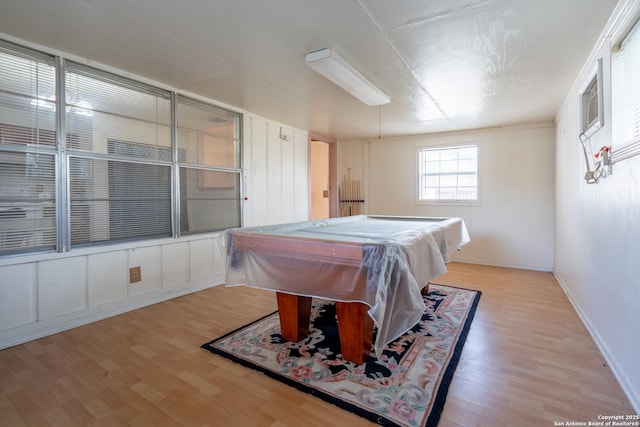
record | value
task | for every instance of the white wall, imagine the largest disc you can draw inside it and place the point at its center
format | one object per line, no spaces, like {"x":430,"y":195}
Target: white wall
{"x":276,"y":180}
{"x":513,"y":223}
{"x":598,"y":228}
{"x":43,"y":294}
{"x":47,"y":293}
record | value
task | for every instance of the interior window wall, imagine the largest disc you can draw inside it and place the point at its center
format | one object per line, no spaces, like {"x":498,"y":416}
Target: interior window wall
{"x":119,"y":172}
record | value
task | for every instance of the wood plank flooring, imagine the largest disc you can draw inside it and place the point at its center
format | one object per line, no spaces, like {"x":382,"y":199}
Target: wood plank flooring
{"x":528,"y":361}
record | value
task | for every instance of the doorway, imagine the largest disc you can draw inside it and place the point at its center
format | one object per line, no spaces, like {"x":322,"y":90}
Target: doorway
{"x":323,"y":186}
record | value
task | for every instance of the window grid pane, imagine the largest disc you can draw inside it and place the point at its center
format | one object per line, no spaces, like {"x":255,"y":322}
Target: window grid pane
{"x":101,"y":109}
{"x":105,"y":206}
{"x":27,"y":98}
{"x":125,"y":194}
{"x":209,"y":195}
{"x":448,"y":174}
{"x":89,"y":90}
{"x":28,"y":151}
{"x":207,"y":134}
{"x":209,"y":200}
{"x":26,"y":73}
{"x":27,"y":202}
{"x":625,"y":69}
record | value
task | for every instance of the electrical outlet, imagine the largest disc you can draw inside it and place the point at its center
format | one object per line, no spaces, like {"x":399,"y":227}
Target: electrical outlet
{"x":135,"y":275}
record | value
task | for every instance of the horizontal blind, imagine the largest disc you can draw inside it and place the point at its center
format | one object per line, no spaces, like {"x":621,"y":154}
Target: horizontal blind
{"x":115,"y":200}
{"x":27,"y":202}
{"x":27,"y":97}
{"x":101,"y":106}
{"x":119,"y":143}
{"x":626,"y":88}
{"x":127,"y":176}
{"x":27,"y":150}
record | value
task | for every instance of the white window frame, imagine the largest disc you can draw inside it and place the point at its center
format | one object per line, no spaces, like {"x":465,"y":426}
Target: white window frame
{"x":455,"y":202}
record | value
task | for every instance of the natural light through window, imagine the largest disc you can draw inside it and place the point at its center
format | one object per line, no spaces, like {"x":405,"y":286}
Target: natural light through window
{"x":448,"y":174}
{"x":625,"y":98}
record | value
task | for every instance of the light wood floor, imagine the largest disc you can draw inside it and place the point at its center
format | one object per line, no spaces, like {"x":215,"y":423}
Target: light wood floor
{"x":528,"y":361}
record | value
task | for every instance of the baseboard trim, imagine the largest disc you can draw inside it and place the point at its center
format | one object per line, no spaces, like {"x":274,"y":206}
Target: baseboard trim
{"x":615,"y":368}
{"x":33,"y":331}
{"x":493,"y":264}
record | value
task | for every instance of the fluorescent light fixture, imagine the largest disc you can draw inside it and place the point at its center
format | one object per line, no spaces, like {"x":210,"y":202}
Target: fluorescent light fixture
{"x":336,"y":69}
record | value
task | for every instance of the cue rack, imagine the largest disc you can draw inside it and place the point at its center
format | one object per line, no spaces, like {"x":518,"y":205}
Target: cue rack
{"x":349,"y":195}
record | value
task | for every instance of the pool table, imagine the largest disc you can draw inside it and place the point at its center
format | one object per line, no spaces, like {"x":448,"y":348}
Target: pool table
{"x":374,"y":267}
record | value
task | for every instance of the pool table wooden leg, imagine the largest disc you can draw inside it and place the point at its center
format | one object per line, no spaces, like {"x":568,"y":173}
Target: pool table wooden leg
{"x":425,"y":290}
{"x":294,"y":312}
{"x":355,"y":327}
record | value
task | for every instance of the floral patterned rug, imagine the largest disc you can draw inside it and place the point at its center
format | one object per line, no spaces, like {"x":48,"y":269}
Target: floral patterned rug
{"x":407,"y":386}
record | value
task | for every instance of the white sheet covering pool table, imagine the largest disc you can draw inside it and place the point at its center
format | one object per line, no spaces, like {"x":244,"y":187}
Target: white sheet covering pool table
{"x":380,"y":261}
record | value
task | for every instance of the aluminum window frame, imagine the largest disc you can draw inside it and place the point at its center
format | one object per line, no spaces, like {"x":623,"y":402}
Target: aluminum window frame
{"x":62,"y":152}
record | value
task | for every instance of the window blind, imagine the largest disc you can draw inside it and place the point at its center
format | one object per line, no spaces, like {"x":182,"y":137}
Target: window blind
{"x":27,"y":150}
{"x":120,"y":162}
{"x":27,"y":97}
{"x":120,"y":170}
{"x":626,"y":90}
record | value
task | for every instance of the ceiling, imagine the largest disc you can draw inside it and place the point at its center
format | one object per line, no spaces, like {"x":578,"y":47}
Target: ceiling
{"x":446,"y":64}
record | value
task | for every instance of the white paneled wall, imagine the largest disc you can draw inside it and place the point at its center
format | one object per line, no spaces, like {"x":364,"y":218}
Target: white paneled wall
{"x":62,"y":287}
{"x":511,"y":226}
{"x":175,"y":263}
{"x":202,"y":262}
{"x":597,"y":238}
{"x":17,"y":293}
{"x":47,"y":293}
{"x":44,"y":294}
{"x":109,"y":277}
{"x":277,"y":173}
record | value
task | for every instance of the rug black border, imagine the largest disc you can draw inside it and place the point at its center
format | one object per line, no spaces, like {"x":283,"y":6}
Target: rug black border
{"x":447,"y":377}
{"x":439,"y":401}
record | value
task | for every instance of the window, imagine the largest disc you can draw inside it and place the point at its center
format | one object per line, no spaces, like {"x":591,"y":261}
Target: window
{"x":28,"y":150}
{"x":125,"y":168}
{"x":625,"y":70}
{"x":120,"y":159}
{"x":591,"y":104}
{"x":210,"y":171}
{"x":448,"y":174}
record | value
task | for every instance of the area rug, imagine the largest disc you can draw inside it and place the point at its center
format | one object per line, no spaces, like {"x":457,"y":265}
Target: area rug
{"x":406,"y":386}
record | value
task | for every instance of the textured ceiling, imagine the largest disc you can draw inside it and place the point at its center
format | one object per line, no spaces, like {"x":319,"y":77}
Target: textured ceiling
{"x":446,"y":64}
